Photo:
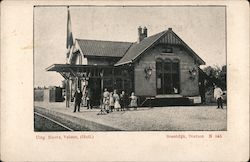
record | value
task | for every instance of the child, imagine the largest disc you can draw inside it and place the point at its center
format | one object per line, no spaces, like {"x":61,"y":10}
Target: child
{"x":117,"y":105}
{"x":106,"y":100}
{"x":133,"y":102}
{"x":111,"y":101}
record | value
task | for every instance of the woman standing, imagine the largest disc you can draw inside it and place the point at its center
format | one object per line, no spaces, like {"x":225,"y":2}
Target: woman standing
{"x":133,"y":102}
{"x":105,"y":100}
{"x":117,"y":105}
{"x":123,"y":100}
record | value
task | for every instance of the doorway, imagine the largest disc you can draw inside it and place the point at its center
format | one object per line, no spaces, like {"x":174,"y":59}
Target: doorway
{"x":95,"y":86}
{"x":167,"y":76}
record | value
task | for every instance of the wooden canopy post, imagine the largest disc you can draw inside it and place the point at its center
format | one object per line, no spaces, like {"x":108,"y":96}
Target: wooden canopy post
{"x":73,"y":74}
{"x":67,"y":93}
{"x":67,"y":88}
{"x":101,"y":75}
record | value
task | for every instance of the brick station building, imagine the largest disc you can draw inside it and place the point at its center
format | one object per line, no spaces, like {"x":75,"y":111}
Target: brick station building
{"x":160,"y":67}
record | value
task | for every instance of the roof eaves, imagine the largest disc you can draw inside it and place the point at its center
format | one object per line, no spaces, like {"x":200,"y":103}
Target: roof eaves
{"x":131,"y":61}
{"x":122,"y":63}
{"x":98,"y":56}
{"x":50,"y":67}
{"x":101,"y":40}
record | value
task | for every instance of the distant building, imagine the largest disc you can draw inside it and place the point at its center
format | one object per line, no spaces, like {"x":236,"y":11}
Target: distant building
{"x":157,"y":66}
{"x":50,"y":94}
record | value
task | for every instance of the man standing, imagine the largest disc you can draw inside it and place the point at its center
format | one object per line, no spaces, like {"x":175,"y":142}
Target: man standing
{"x":123,"y":100}
{"x":78,"y":99}
{"x":218,"y":96}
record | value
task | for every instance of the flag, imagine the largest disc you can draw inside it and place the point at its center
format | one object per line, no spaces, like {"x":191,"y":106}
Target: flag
{"x":69,"y":41}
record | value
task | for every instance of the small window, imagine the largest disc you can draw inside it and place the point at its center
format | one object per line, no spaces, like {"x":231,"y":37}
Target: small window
{"x":167,"y":49}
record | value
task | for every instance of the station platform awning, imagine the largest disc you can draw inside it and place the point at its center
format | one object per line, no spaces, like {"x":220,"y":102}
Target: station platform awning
{"x":75,"y":68}
{"x":80,"y":71}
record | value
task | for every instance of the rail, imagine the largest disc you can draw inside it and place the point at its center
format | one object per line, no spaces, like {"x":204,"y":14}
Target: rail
{"x":56,"y":122}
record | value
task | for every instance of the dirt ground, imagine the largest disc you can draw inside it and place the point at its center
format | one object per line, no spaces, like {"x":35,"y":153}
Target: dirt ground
{"x":202,"y":117}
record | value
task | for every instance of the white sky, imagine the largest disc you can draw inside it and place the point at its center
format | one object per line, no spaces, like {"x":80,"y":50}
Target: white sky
{"x":202,"y":28}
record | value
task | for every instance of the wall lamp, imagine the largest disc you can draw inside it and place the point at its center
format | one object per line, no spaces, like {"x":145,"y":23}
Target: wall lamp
{"x":148,"y":72}
{"x":193,"y":73}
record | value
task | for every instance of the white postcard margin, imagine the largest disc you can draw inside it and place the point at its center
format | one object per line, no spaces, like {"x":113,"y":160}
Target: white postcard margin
{"x":18,"y":140}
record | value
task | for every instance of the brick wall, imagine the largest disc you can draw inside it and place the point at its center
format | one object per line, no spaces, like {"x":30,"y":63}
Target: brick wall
{"x":147,"y":87}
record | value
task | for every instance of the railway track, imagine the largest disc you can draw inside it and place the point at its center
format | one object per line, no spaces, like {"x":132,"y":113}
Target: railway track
{"x":45,"y":123}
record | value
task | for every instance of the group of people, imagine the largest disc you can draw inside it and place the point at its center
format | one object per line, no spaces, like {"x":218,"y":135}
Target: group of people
{"x":112,"y":101}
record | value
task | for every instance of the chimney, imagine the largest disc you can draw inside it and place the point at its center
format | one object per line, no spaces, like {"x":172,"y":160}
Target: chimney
{"x":142,"y":34}
{"x":139,"y":34}
{"x":145,"y":32}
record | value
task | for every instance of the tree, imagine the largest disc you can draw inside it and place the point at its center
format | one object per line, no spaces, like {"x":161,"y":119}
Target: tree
{"x":223,"y":77}
{"x":217,"y":75}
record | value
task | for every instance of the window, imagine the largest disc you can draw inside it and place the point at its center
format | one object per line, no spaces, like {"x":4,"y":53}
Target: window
{"x":175,"y":66}
{"x":118,"y":83}
{"x":167,"y":66}
{"x":108,"y":83}
{"x":159,"y":64}
{"x":127,"y":85}
{"x":167,"y":49}
{"x":123,"y":84}
{"x":125,"y":73}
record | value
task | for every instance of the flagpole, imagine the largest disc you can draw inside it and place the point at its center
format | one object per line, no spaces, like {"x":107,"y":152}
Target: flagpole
{"x":69,"y":44}
{"x":67,"y":35}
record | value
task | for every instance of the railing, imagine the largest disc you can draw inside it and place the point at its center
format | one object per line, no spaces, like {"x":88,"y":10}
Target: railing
{"x":143,"y":99}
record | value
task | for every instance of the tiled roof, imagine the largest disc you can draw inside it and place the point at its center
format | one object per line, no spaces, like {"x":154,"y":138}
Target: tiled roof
{"x":127,"y":51}
{"x":103,"y":48}
{"x":137,"y":48}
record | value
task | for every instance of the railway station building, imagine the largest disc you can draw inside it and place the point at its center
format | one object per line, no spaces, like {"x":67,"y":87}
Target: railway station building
{"x":160,"y":66}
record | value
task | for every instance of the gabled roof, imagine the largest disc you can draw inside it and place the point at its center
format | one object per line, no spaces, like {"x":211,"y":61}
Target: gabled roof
{"x":139,"y":48}
{"x":103,"y":48}
{"x":202,"y":62}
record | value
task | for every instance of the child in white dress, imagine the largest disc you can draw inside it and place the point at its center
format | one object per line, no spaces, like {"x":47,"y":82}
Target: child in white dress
{"x":117,"y":105}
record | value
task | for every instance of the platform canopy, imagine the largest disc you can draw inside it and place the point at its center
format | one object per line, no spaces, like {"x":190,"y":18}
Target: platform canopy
{"x":69,"y":70}
{"x":76,"y":68}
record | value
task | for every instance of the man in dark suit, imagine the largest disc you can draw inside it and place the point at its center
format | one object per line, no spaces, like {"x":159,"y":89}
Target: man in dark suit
{"x":78,"y":99}
{"x":124,"y":99}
